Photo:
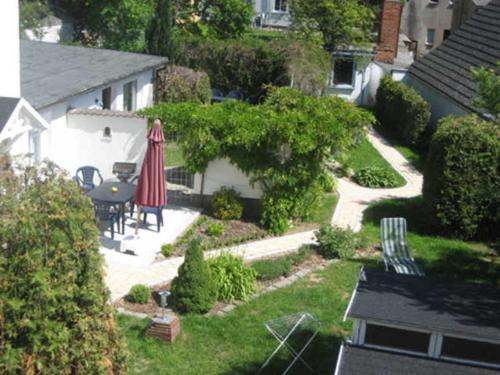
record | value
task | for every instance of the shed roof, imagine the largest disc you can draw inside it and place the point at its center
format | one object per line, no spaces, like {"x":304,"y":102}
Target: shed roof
{"x":7,"y":106}
{"x":476,"y":43}
{"x":53,"y":72}
{"x":355,"y":360}
{"x":449,"y":307}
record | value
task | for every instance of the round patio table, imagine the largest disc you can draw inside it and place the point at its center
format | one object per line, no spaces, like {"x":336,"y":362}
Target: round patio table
{"x":104,"y":193}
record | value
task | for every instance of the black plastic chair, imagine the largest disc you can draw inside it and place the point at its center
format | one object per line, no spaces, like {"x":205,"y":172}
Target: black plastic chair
{"x":158,"y":211}
{"x":107,"y":212}
{"x":84,"y":177}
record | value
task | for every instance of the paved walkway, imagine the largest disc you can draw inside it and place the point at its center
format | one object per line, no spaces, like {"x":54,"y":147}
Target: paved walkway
{"x":353,"y":200}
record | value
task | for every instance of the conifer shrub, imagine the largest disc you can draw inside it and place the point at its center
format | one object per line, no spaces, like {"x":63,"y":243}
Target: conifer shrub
{"x":462,"y":177}
{"x":194,"y":290}
{"x":54,"y":311}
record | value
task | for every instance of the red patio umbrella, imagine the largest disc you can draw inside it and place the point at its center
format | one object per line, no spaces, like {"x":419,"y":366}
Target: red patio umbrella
{"x":150,"y":190}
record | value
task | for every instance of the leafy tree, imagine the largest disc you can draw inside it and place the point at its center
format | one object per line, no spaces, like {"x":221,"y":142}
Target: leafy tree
{"x":54,"y":314}
{"x":161,"y":38}
{"x":488,"y":89}
{"x":339,"y":22}
{"x":31,"y":14}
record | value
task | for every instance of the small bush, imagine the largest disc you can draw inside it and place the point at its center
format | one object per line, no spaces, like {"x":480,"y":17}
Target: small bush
{"x":139,"y":294}
{"x":462,"y":177}
{"x":328,"y":183}
{"x":235,"y":280}
{"x":402,"y":112}
{"x":375,"y":177}
{"x":336,"y":242}
{"x":226,"y":204}
{"x":177,"y":84}
{"x":167,"y":250}
{"x":194,"y":289}
{"x":215,"y":229}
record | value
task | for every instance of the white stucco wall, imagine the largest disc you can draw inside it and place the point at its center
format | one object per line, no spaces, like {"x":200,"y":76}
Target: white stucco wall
{"x":358,"y":91}
{"x":10,"y":74}
{"x":221,"y":172}
{"x":85,"y":143}
{"x":441,"y":105}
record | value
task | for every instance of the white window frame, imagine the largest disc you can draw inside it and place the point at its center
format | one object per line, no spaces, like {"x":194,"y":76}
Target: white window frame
{"x":34,"y":146}
{"x":427,"y":42}
{"x":280,"y":10}
{"x":133,"y":84}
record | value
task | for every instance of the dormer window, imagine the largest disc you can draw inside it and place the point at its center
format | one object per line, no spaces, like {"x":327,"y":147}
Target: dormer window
{"x":471,"y":350}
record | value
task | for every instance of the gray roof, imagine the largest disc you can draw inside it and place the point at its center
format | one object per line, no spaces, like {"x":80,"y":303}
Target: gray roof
{"x":51,"y":72}
{"x":476,"y":43}
{"x":7,"y":106}
{"x":449,"y":307}
{"x":355,"y":360}
{"x":104,"y":113}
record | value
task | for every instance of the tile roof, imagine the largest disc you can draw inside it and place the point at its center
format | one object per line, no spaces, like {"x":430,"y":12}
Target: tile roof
{"x":52,"y":72}
{"x":476,"y":43}
{"x":7,"y":106}
{"x":449,"y":307}
{"x":356,"y":360}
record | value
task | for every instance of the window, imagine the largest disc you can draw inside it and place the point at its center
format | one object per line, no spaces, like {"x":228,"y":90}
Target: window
{"x":397,"y":338}
{"x":433,"y":2}
{"x":280,"y":6}
{"x":471,"y":350}
{"x":343,"y":72}
{"x":34,"y":146}
{"x":107,"y":132}
{"x":446,"y":34}
{"x":106,"y":98}
{"x":430,"y":37}
{"x":129,"y":93}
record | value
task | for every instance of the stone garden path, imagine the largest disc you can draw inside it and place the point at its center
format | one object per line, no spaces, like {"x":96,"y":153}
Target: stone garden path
{"x":353,"y":200}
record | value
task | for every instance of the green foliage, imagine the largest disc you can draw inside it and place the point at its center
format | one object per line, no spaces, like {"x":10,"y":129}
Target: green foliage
{"x":375,"y":177}
{"x":194,"y":290}
{"x":167,"y":249}
{"x":31,"y":15}
{"x":282,"y":145}
{"x":215,"y":229}
{"x":341,"y":22}
{"x":161,"y":34}
{"x":252,"y":64}
{"x":54,"y":311}
{"x":270,"y":269}
{"x":488,"y":88}
{"x":462,"y":177}
{"x":226,"y":204}
{"x":177,"y":84}
{"x":235,"y":280}
{"x":139,"y":294}
{"x":402,"y":112}
{"x":335,"y":242}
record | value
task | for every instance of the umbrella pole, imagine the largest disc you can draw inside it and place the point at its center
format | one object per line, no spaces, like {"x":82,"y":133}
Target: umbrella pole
{"x":138,"y":219}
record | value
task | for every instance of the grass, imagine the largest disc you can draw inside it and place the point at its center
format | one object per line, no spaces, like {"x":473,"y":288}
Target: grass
{"x":173,"y":156}
{"x":238,"y":343}
{"x":365,"y":155}
{"x":322,"y":215}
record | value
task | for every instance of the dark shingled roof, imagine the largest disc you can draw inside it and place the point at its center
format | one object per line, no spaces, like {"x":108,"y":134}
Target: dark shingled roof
{"x":7,"y":106}
{"x":451,"y":307}
{"x":476,"y":43}
{"x":356,"y":360}
{"x":53,"y":72}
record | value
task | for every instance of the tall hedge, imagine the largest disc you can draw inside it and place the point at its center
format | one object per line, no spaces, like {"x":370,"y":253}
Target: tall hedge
{"x":462,"y":177}
{"x":54,"y":311}
{"x":402,"y":112}
{"x":177,"y":84}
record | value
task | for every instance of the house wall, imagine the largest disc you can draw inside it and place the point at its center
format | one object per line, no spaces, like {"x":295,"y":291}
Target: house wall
{"x":10,"y":74}
{"x":86,"y":144}
{"x":441,"y":105}
{"x":358,"y":91}
{"x":270,"y":17}
{"x":221,"y":172}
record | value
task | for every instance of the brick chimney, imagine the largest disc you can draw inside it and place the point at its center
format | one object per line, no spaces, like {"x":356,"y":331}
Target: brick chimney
{"x":388,"y":37}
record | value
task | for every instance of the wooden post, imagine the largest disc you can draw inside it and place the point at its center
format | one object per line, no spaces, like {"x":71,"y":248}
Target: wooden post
{"x":138,"y":219}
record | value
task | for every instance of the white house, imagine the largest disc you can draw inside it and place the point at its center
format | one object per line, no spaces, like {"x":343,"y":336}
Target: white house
{"x":272,"y":14}
{"x":53,"y":80}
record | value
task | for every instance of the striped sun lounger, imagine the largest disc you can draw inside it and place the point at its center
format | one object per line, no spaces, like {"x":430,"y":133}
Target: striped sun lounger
{"x":395,"y":246}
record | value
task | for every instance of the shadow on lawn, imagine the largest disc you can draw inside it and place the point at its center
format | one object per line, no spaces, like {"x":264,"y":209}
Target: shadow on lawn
{"x":321,"y":355}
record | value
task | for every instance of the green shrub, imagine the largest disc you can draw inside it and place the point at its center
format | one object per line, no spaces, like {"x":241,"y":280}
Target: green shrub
{"x":375,"y":177}
{"x":328,"y":183}
{"x":194,"y":290}
{"x":235,"y":280}
{"x":335,"y":242}
{"x":54,"y":312}
{"x":462,"y":177}
{"x":176,"y":84}
{"x":215,"y":229}
{"x":226,"y":204}
{"x":402,"y":112}
{"x":139,"y":294}
{"x":167,"y":250}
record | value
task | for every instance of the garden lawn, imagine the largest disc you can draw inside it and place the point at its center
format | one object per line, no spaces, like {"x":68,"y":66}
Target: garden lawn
{"x":324,"y":212}
{"x":173,"y":156}
{"x":365,"y":155}
{"x":238,"y":342}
